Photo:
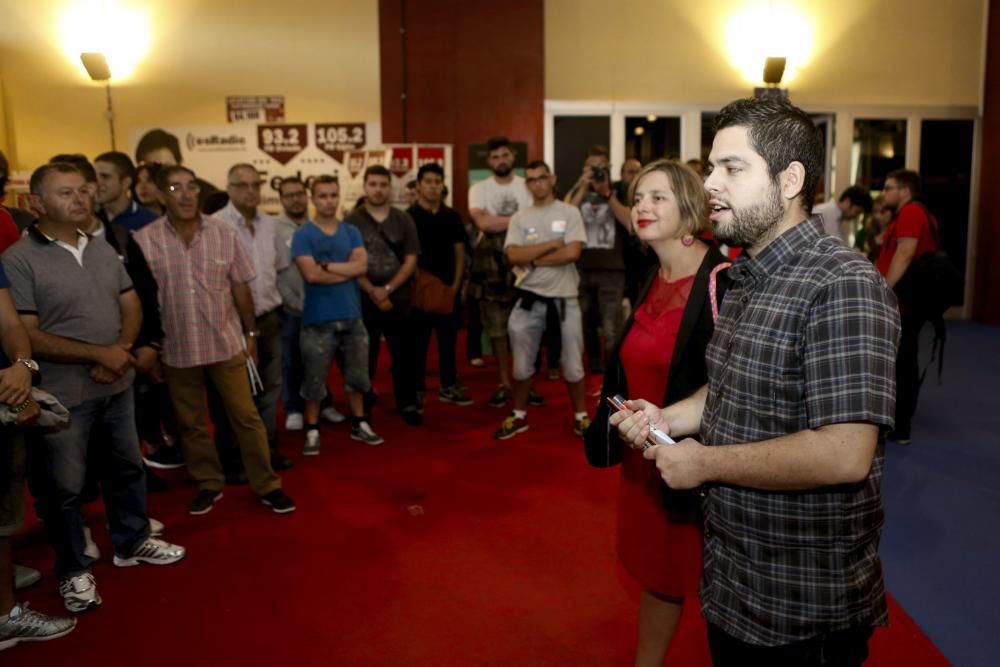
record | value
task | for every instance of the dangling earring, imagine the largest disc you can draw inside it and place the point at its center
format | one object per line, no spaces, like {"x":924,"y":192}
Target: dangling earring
{"x":687,"y":240}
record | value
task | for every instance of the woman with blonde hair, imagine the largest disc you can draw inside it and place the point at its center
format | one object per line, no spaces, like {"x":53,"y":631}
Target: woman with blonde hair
{"x":660,"y":356}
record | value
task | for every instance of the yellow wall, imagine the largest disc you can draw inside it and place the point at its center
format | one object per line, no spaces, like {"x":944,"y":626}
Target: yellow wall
{"x":322,"y":55}
{"x":890,"y":52}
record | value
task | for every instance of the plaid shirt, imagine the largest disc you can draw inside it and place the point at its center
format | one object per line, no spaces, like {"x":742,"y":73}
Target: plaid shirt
{"x":806,"y":337}
{"x":200,"y":322}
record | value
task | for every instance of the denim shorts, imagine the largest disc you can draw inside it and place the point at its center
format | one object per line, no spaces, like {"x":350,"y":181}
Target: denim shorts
{"x":494,"y":316}
{"x":344,"y":340}
{"x":526,"y":328}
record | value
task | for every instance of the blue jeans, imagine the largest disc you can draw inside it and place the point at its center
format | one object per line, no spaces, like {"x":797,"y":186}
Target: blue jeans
{"x":291,"y":362}
{"x":63,"y":466}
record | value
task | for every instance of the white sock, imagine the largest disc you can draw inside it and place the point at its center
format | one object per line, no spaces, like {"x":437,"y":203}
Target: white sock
{"x":580,"y":415}
{"x":520,"y":414}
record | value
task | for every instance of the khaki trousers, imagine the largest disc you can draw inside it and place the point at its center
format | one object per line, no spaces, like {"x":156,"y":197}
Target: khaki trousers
{"x":231,"y":382}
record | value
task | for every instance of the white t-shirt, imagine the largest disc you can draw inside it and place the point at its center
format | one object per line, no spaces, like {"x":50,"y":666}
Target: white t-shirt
{"x":503,"y":199}
{"x":832,"y":217}
{"x":539,"y":224}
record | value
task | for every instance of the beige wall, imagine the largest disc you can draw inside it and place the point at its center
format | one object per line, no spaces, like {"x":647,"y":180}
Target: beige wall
{"x":890,"y":52}
{"x":322,"y":55}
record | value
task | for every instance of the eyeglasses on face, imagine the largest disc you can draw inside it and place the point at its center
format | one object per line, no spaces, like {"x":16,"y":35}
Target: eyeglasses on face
{"x":177,"y":188}
{"x":246,"y":185}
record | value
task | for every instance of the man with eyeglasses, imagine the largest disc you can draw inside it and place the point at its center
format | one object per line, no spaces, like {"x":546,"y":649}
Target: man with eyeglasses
{"x":204,"y":272}
{"x":258,"y":232}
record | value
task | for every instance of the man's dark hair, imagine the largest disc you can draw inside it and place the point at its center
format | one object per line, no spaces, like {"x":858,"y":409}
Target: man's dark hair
{"x":598,"y":150}
{"x":429,"y":168}
{"x":538,"y":164}
{"x":156,"y":139}
{"x":781,"y":133}
{"x":289,"y":180}
{"x":376,"y":170}
{"x":79,"y":161}
{"x":323,"y":179}
{"x":38,"y":176}
{"x":166,"y":171}
{"x":908,"y":179}
{"x":412,"y":183}
{"x":123,"y":163}
{"x":858,"y":196}
{"x":4,"y":173}
{"x":496,"y":143}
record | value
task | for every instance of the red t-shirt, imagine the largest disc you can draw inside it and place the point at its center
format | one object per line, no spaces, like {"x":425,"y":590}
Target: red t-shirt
{"x":9,"y":233}
{"x":910,"y":223}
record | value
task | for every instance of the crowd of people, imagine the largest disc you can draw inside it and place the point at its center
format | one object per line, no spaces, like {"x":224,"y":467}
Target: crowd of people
{"x":144,"y":307}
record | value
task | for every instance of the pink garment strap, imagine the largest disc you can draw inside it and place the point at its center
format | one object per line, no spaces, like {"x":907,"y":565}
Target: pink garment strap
{"x":713,"y":293}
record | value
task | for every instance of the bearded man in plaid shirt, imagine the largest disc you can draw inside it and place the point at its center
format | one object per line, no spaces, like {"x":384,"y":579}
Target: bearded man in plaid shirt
{"x":800,"y":392}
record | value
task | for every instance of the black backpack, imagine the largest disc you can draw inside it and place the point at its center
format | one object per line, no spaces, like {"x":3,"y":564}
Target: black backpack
{"x":931,"y":285}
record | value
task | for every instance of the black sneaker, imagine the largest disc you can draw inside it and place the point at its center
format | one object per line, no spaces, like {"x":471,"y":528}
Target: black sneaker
{"x":535,"y":399}
{"x":203,"y":502}
{"x":455,"y":395}
{"x":510,"y":427}
{"x":899,"y":437}
{"x":412,"y":416}
{"x":280,"y":462}
{"x":279,"y":501}
{"x":165,"y":458}
{"x":499,"y":397}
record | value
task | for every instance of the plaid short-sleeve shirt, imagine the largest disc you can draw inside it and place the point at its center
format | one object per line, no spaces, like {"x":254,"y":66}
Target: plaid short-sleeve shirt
{"x":806,"y":337}
{"x":200,"y":322}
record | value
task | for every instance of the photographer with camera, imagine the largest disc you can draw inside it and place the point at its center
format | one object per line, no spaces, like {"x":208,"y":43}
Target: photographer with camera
{"x":602,"y":264}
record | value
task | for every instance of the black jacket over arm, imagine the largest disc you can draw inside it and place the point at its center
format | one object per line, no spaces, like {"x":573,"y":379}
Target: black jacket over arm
{"x":687,"y":368}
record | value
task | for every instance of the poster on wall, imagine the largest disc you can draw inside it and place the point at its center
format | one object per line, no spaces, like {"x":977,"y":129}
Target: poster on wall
{"x":280,"y":150}
{"x":255,"y":108}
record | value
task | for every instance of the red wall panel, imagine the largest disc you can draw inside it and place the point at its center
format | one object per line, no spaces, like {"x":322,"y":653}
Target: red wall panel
{"x":986,"y":290}
{"x":470,"y":70}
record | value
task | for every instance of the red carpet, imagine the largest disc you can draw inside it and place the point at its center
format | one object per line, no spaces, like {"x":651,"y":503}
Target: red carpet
{"x":441,"y":547}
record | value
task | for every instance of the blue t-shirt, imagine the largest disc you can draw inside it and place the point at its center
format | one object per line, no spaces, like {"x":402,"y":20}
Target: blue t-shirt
{"x":328,"y":303}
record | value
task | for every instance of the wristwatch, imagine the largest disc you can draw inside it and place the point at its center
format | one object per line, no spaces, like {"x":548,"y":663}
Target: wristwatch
{"x":30,"y":363}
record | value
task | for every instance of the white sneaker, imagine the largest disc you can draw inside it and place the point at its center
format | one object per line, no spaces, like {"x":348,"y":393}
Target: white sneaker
{"x":79,"y":593}
{"x":155,"y":527}
{"x":311,"y":448}
{"x":364,"y":433}
{"x":293,"y":422}
{"x":91,"y":549}
{"x":154,"y":552}
{"x":332,"y":415}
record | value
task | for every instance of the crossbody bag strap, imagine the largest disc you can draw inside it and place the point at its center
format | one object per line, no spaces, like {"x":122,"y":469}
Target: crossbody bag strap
{"x":713,"y":292}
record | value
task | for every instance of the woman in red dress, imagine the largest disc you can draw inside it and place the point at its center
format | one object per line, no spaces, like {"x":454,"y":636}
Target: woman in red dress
{"x":661,"y":357}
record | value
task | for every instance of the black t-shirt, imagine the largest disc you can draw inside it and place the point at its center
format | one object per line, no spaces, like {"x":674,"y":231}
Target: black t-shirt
{"x":387,"y":243}
{"x":438,"y":233}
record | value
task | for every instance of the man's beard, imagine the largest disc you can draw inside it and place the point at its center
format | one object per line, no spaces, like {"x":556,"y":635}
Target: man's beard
{"x":502,"y":171}
{"x":749,"y":225}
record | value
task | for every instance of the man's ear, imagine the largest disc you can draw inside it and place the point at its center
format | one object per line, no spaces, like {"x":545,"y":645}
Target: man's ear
{"x":792,"y":180}
{"x":37,"y":207}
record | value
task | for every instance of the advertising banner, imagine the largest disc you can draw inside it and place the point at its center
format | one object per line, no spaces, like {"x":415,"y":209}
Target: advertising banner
{"x":280,"y":150}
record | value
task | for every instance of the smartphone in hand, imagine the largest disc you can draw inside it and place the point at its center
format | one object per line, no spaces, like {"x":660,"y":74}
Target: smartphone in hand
{"x":656,"y":436}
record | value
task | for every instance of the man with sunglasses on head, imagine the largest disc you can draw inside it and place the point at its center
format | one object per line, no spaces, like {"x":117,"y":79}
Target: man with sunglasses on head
{"x":203,"y":273}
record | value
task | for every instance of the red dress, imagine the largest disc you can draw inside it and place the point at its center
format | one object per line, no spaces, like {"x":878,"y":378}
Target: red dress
{"x":659,"y":546}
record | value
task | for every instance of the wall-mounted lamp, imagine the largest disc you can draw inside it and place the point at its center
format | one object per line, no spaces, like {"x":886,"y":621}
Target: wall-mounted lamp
{"x":774,"y":69}
{"x":97,"y":67}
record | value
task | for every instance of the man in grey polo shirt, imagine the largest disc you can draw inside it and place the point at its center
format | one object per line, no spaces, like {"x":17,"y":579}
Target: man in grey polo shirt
{"x":82,"y":316}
